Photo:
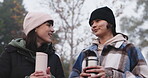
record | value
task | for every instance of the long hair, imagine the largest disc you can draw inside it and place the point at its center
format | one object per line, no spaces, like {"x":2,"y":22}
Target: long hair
{"x":31,"y":40}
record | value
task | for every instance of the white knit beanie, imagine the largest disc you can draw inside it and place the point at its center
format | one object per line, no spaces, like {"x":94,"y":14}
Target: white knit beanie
{"x":33,"y":20}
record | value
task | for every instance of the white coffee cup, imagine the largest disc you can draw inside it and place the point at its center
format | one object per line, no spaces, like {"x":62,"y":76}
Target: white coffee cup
{"x":41,"y":61}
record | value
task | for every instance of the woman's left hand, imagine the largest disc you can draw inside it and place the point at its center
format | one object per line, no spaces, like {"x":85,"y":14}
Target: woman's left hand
{"x":41,"y":74}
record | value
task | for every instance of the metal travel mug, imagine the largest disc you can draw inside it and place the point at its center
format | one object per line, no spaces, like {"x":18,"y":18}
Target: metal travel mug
{"x":91,"y":61}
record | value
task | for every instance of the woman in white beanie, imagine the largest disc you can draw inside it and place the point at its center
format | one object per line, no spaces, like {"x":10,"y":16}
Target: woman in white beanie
{"x":18,"y":60}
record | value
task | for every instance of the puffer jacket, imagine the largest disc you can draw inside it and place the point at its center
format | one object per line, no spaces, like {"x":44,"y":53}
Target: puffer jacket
{"x":120,"y":60}
{"x":19,"y":62}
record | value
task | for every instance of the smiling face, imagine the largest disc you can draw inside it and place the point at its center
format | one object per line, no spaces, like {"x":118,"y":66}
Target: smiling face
{"x":99,"y":28}
{"x":44,"y":33}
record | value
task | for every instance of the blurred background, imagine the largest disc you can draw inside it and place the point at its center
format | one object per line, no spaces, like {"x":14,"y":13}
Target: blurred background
{"x":71,"y":23}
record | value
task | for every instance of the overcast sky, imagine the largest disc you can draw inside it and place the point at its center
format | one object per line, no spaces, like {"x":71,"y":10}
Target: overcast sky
{"x":90,"y":5}
{"x":1,"y":0}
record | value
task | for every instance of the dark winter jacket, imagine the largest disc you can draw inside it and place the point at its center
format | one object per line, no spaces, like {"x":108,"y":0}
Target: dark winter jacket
{"x":18,"y":62}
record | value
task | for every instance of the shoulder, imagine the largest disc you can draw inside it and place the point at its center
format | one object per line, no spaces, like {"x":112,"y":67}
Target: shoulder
{"x":91,"y":47}
{"x":10,"y":49}
{"x":54,"y":60}
{"x":54,"y":56}
{"x":133,"y":51}
{"x":130,"y":47}
{"x":126,"y":46}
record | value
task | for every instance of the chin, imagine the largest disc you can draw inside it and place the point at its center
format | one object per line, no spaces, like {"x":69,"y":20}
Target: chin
{"x":48,"y":41}
{"x":96,"y":34}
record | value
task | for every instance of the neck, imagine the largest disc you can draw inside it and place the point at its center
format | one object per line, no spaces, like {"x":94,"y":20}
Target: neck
{"x":39,"y":42}
{"x":105,"y":38}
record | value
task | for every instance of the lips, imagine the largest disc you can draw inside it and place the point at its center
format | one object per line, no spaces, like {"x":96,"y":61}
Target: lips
{"x":94,"y":30}
{"x":50,"y":34}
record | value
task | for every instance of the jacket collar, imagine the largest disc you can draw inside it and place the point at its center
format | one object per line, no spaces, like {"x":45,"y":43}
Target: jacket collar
{"x":116,"y":41}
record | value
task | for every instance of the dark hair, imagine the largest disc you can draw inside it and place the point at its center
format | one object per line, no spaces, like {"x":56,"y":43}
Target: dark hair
{"x":110,"y":26}
{"x":50,"y":22}
{"x":31,"y":40}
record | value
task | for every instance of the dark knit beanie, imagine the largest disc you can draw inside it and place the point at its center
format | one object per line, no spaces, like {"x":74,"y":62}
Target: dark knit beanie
{"x":106,"y":14}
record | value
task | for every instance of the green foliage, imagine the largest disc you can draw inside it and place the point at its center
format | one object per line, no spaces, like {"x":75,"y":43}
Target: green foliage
{"x":12,"y":13}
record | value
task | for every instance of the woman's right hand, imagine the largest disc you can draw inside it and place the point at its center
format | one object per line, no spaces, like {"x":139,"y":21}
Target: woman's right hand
{"x":84,"y":74}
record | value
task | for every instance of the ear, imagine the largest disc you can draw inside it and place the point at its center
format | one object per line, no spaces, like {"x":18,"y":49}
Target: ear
{"x":108,"y":26}
{"x":36,"y":29}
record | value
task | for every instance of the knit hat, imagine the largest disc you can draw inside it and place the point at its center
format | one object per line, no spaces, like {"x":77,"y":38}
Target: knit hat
{"x":106,"y":14}
{"x":33,"y":20}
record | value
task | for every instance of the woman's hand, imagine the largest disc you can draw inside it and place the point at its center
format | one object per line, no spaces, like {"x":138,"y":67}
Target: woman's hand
{"x":98,"y":70}
{"x":41,"y":74}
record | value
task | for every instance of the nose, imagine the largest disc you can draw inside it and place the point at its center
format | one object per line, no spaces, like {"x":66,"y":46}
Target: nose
{"x":52,"y":29}
{"x":94,"y":25}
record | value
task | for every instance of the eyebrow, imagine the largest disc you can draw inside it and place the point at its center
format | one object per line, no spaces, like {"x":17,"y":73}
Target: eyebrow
{"x":94,"y":20}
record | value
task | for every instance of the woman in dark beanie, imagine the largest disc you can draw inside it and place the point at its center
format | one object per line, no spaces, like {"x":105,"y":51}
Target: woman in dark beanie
{"x":115,"y":56}
{"x":19,"y":58}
